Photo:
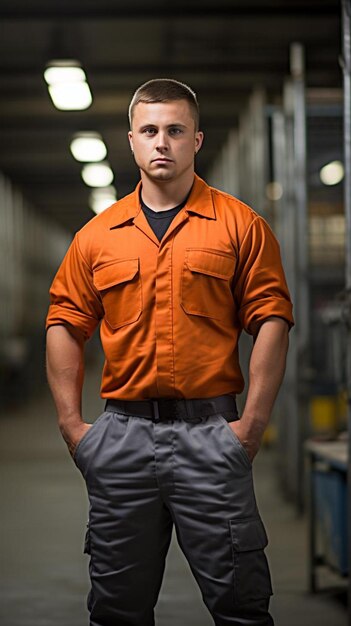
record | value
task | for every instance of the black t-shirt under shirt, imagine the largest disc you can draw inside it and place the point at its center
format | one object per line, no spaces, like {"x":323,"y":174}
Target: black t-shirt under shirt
{"x":160,"y":220}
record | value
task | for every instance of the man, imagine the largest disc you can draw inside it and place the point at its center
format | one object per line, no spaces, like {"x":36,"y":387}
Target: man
{"x":175,"y":271}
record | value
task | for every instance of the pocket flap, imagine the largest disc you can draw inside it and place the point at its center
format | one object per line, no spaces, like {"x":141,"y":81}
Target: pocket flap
{"x":115,"y":273}
{"x":248,"y":534}
{"x":211,"y":263}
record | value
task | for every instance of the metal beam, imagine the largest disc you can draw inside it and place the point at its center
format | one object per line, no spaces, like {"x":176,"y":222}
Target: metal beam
{"x":346,"y":63}
{"x":117,"y":72}
{"x":257,"y":66}
{"x":174,"y":11}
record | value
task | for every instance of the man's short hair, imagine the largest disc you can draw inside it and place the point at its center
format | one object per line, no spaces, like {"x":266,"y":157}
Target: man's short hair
{"x":165,"y":90}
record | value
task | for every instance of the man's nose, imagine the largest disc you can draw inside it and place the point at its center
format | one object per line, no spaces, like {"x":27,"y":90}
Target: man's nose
{"x":162,"y":143}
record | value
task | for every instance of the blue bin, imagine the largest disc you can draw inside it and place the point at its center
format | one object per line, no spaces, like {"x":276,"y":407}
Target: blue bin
{"x":330,"y":488}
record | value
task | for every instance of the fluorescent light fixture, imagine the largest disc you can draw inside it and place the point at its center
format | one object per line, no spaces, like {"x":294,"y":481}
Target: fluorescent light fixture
{"x":64,"y":72}
{"x":67,"y":85}
{"x":100,"y":199}
{"x":71,"y":96}
{"x":97,"y":174}
{"x":332,"y":173}
{"x":88,"y":147}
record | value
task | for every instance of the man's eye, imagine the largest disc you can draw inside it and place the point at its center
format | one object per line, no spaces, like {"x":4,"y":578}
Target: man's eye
{"x":149,"y":131}
{"x":175,"y":131}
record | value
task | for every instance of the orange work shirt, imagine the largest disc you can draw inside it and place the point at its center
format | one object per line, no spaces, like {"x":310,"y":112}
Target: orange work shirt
{"x":171,"y":312}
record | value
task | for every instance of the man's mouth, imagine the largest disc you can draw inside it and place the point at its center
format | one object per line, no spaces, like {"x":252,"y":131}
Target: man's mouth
{"x":161,"y":160}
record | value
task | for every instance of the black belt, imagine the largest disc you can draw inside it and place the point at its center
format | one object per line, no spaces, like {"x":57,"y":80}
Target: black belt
{"x":163,"y":409}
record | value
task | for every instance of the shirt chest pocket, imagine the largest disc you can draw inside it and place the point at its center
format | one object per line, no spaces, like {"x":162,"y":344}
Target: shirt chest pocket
{"x":119,"y":285}
{"x":206,"y":283}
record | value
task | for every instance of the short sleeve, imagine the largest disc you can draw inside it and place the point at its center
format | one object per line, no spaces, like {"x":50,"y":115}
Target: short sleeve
{"x":260,"y":288}
{"x":73,"y":298}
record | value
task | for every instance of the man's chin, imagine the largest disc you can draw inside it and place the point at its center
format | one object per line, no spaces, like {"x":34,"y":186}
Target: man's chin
{"x":161,"y":176}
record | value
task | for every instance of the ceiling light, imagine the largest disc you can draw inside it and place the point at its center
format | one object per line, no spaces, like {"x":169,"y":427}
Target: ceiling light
{"x":67,"y":85}
{"x":332,"y":173}
{"x":97,"y":174}
{"x":88,"y":147}
{"x":71,"y":96}
{"x":100,"y":199}
{"x":64,"y":72}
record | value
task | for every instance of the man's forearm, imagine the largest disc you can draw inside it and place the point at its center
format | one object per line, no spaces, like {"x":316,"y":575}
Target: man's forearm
{"x":266,"y":372}
{"x":65,"y":372}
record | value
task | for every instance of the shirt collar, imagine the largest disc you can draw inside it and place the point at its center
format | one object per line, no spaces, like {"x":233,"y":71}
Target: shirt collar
{"x":199,"y":202}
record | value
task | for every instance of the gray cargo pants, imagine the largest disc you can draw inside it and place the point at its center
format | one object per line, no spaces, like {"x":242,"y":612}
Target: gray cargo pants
{"x":142,"y":477}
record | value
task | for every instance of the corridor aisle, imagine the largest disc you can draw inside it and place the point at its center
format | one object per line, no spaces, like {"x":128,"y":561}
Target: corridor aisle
{"x":43,"y":572}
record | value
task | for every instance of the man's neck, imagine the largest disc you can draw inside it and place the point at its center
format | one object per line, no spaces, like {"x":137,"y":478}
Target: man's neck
{"x":164,"y":195}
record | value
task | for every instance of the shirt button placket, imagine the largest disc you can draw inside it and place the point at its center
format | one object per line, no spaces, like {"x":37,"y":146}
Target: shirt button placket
{"x":164,"y":320}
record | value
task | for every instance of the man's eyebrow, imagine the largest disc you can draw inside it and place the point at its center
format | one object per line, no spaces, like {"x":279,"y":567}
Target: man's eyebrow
{"x":153,"y":125}
{"x":176,"y":124}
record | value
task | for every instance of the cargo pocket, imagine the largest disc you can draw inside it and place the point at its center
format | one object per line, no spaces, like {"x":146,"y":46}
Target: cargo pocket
{"x":252,"y":579}
{"x":119,"y":285}
{"x":205,"y":286}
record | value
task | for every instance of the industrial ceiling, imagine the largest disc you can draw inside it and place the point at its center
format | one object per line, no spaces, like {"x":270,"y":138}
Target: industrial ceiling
{"x":222,"y":50}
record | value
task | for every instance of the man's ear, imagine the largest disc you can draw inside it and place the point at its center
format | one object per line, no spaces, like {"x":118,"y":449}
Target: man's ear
{"x":199,"y":137}
{"x":130,"y":137}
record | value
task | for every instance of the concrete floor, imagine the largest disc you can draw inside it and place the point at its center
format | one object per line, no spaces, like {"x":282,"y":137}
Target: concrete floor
{"x":43,"y":573}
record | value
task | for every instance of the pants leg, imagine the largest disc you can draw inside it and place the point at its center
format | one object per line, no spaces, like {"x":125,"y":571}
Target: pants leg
{"x":129,"y":526}
{"x":139,"y":475}
{"x":217,"y":522}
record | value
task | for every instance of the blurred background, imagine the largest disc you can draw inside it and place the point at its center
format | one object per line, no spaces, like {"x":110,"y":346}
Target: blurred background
{"x":273,"y":82}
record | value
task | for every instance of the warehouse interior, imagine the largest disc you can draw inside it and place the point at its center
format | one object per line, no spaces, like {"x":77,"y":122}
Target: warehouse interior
{"x":273,"y":82}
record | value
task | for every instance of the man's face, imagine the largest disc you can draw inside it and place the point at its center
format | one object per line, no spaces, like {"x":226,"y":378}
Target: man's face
{"x":164,"y":140}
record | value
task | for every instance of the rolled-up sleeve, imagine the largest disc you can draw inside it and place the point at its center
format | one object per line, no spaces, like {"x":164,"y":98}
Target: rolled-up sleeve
{"x":260,"y":289}
{"x":73,"y":298}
